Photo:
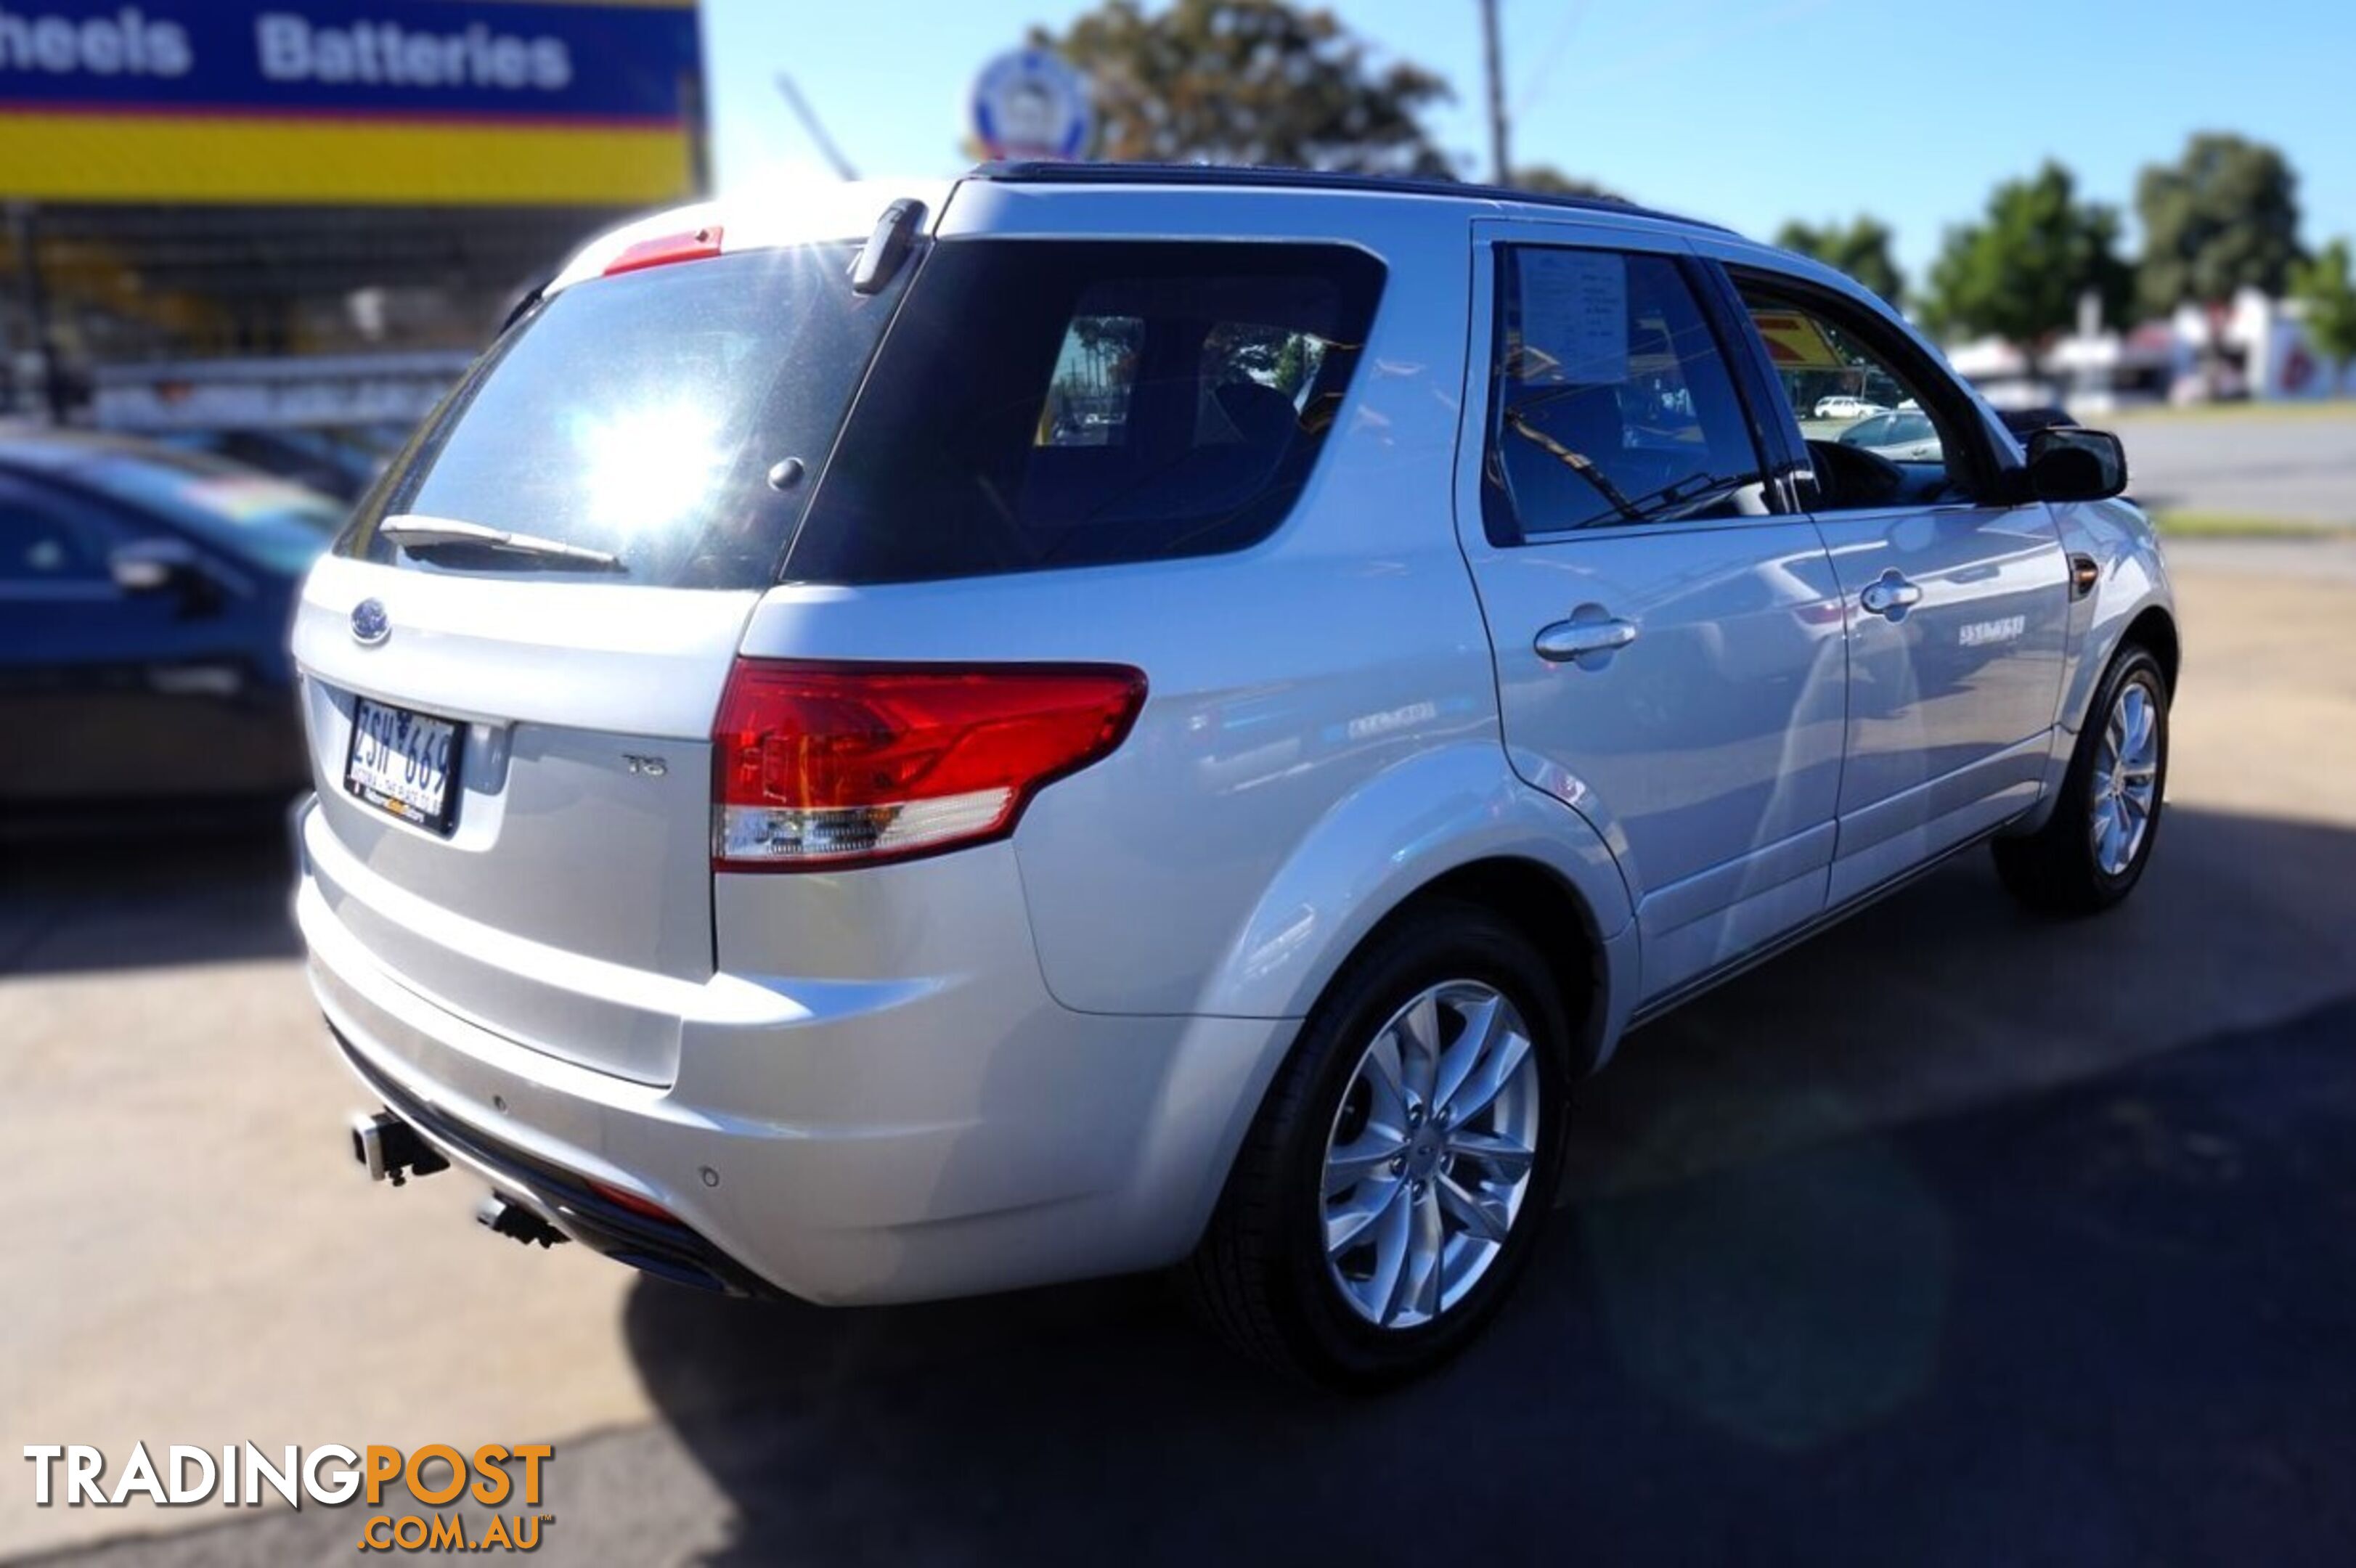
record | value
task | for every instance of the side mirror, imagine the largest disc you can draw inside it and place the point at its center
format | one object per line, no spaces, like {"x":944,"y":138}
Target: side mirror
{"x":2066,"y":463}
{"x":159,"y":565}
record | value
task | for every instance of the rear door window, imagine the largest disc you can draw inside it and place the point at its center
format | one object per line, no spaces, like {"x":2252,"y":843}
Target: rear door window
{"x":643,"y":415}
{"x":1051,"y":403}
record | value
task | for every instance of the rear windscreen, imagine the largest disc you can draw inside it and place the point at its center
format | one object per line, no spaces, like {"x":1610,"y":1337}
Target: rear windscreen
{"x":658,"y":416}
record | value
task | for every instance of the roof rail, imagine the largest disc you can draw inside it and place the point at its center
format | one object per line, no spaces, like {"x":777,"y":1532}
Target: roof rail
{"x":1255,"y":175}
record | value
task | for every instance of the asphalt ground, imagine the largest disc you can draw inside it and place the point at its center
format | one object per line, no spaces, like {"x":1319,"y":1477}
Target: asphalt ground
{"x":2293,"y":468}
{"x":2297,"y":466}
{"x":1953,"y":1236}
{"x":2105,"y":1324}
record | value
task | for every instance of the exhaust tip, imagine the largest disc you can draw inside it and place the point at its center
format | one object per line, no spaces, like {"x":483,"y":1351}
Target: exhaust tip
{"x":503,"y":1218}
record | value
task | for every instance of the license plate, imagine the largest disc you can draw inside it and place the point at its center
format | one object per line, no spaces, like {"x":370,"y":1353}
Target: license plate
{"x":405,"y":762}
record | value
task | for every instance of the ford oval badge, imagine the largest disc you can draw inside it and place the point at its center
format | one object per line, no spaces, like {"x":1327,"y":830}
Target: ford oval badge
{"x":371,"y":624}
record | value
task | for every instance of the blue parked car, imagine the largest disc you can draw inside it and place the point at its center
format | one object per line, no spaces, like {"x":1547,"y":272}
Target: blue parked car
{"x":144,"y":595}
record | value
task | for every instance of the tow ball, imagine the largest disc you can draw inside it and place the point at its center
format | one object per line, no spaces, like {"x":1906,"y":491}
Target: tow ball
{"x":389,"y":1148}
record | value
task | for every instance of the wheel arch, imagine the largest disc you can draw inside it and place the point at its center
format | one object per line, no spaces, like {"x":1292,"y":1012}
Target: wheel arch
{"x":2155,"y":628}
{"x":1535,"y":897}
{"x":2148,"y":620}
{"x":1453,"y":817}
{"x":1543,"y":905}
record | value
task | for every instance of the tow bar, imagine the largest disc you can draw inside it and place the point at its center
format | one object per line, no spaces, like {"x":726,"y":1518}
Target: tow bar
{"x":389,"y":1148}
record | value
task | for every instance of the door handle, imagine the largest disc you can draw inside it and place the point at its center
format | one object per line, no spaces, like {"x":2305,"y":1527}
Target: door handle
{"x":1891,"y":595}
{"x":1580,"y":637}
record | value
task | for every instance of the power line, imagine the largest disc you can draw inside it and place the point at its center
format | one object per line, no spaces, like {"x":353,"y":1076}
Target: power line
{"x":809,"y":117}
{"x":1550,"y":57}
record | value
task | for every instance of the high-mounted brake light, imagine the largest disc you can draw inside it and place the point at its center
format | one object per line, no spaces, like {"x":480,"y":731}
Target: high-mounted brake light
{"x":895,"y":234}
{"x":692,"y":245}
{"x":827,"y":765}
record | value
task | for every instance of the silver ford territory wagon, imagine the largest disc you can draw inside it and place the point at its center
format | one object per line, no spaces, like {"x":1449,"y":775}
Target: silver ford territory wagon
{"x":926,"y":739}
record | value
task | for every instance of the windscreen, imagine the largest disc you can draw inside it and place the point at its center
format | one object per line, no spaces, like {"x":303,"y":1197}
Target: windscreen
{"x":661,"y":416}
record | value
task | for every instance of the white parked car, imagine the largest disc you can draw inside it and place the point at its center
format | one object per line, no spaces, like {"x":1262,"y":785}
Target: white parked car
{"x":1843,"y":406}
{"x":1901,"y":437}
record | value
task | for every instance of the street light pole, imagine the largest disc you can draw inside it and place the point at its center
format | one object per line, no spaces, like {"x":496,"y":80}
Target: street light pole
{"x":1501,"y":168}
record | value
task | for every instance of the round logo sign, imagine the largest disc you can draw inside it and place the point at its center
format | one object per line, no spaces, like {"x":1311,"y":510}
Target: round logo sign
{"x":371,"y":624}
{"x":1027,"y":103}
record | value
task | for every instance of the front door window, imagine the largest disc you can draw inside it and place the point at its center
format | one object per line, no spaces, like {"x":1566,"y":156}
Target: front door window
{"x":1873,"y":434}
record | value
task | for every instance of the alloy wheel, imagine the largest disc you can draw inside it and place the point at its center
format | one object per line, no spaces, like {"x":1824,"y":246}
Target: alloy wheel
{"x":2126,"y":779}
{"x":1431,"y":1154}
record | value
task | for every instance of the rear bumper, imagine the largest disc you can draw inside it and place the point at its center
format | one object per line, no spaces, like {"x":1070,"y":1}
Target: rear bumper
{"x":674,"y":1251}
{"x":946,"y":1137}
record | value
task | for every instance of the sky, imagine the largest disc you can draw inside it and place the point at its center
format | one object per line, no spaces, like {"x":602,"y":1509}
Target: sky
{"x":1745,"y":112}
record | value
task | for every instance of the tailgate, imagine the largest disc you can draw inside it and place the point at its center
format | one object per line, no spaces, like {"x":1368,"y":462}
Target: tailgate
{"x":571,"y":892}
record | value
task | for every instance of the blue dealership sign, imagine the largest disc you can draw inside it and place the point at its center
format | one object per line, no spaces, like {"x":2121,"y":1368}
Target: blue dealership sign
{"x":610,"y":62}
{"x":1027,"y":103}
{"x":400,"y":101}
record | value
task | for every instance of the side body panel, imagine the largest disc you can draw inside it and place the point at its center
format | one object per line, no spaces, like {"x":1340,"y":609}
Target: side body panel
{"x":1708,"y":752}
{"x":2131,"y":577}
{"x":1951,"y":702}
{"x":1951,"y":698}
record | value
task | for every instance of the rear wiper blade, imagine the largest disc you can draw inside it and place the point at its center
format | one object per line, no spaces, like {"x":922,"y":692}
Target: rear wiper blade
{"x":414,"y":534}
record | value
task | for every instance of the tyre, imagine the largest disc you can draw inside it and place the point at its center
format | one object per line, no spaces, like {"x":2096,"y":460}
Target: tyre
{"x":2093,"y":851}
{"x":1400,"y":1172}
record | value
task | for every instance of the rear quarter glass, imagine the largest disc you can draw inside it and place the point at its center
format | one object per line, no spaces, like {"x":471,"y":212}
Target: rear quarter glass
{"x":1044,"y":403}
{"x":641,"y":414}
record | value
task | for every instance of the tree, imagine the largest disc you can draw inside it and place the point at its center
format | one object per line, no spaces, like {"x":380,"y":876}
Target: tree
{"x":1860,"y":248}
{"x":2326,"y":286}
{"x":2019,"y":272}
{"x":1250,"y":82}
{"x":1545,"y":179}
{"x":2221,"y":218}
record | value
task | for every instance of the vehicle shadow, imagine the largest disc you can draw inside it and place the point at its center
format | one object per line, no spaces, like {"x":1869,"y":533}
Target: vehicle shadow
{"x":213,"y":889}
{"x":1880,"y":1254}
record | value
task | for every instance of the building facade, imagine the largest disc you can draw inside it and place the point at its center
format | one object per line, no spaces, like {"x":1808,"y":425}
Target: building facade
{"x":190,"y":182}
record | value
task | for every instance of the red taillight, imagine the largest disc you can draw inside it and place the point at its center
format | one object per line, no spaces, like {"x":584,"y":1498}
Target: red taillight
{"x":834,"y":765}
{"x":663,"y":248}
{"x":646,"y":1207}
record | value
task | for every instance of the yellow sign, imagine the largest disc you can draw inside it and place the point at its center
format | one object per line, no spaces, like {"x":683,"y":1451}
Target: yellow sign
{"x":352,"y":102}
{"x":1796,"y":342}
